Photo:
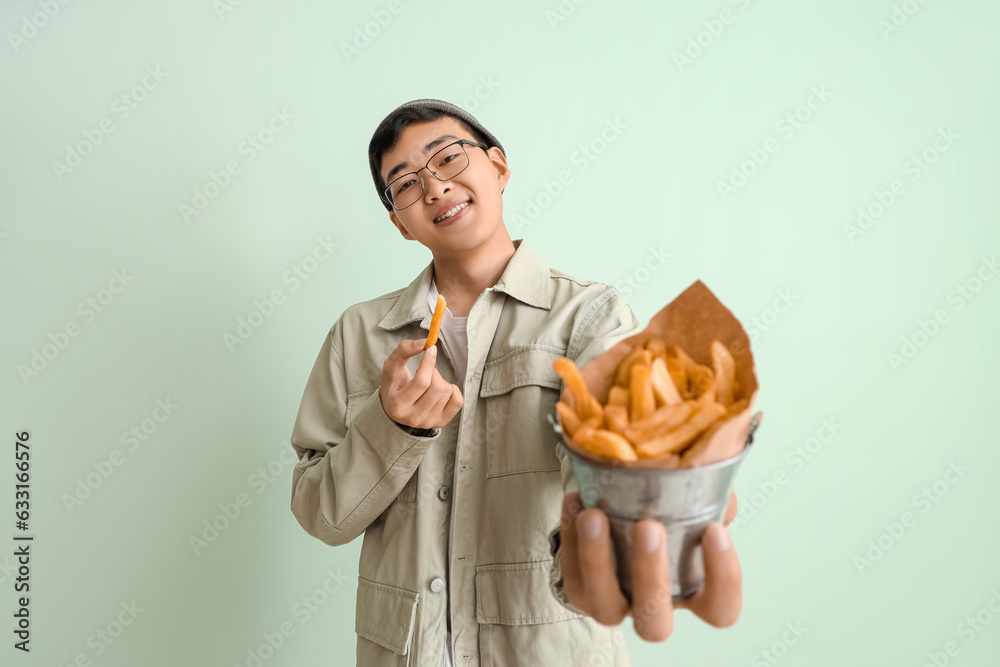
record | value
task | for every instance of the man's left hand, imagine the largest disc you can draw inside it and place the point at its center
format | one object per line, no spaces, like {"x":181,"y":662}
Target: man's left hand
{"x":590,"y":581}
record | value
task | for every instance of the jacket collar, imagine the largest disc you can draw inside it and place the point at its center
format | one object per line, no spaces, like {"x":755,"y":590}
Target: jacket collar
{"x":526,"y":278}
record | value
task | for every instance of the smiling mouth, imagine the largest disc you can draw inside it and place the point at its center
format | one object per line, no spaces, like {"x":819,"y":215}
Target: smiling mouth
{"x":454,"y":211}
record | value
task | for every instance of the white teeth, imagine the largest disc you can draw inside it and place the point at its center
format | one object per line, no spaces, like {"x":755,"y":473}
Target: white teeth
{"x":452,"y":211}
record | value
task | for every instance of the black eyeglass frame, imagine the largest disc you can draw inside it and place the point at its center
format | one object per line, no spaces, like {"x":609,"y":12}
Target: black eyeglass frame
{"x":427,"y":166}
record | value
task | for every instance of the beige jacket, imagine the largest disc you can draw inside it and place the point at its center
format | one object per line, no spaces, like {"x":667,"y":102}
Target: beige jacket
{"x":495,"y":482}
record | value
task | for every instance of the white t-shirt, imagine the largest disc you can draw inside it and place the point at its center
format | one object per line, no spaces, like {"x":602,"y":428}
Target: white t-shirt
{"x":456,"y":335}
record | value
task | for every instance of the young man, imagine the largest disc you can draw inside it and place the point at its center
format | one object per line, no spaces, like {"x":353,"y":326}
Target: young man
{"x":449,"y":466}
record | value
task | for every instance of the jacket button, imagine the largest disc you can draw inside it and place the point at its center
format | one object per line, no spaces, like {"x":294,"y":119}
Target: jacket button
{"x":443,"y":492}
{"x":437,"y":585}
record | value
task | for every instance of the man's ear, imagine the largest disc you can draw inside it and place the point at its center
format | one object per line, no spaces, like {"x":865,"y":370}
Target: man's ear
{"x":499,"y":161}
{"x":402,"y":230}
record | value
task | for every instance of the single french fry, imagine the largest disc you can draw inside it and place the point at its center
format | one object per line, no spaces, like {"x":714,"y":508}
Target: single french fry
{"x":661,"y":422}
{"x":436,"y":320}
{"x":585,"y":433}
{"x":594,"y":410}
{"x":568,"y":418}
{"x":621,"y":374}
{"x":672,"y":461}
{"x":663,"y":386}
{"x":618,"y":396}
{"x":592,"y":423}
{"x":737,"y":407}
{"x":685,"y":358}
{"x":707,"y":396}
{"x":571,"y":376}
{"x":678,"y":374}
{"x":657,"y":346}
{"x":694,"y":455}
{"x":724,"y":367}
{"x":701,"y":379}
{"x":690,"y":453}
{"x":676,"y":440}
{"x":609,"y":444}
{"x":617,"y":418}
{"x":641,"y":399}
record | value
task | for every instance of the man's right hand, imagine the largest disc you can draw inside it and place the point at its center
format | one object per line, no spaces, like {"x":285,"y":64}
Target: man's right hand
{"x":424,"y":400}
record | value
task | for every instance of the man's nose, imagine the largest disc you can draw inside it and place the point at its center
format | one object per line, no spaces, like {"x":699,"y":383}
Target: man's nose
{"x":433,"y":187}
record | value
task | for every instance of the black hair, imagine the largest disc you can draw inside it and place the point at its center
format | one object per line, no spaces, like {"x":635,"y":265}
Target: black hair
{"x":387,"y":134}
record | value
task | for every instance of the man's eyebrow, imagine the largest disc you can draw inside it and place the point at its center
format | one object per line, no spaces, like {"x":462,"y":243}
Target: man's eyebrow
{"x":402,"y":165}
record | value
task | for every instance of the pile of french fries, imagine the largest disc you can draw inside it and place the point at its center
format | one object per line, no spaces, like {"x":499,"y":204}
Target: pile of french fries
{"x":662,"y":403}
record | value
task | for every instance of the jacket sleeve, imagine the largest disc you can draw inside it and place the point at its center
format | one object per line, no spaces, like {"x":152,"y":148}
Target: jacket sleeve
{"x":347,"y":474}
{"x":611,"y":322}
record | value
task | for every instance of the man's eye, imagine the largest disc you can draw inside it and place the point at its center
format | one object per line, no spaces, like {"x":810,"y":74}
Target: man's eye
{"x":446,"y":159}
{"x":405,"y":184}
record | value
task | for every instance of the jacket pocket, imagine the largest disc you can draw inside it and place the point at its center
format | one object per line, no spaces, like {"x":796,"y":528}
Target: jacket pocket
{"x":386,"y":615}
{"x":518,"y":391}
{"x":517,"y":594}
{"x":354,"y":402}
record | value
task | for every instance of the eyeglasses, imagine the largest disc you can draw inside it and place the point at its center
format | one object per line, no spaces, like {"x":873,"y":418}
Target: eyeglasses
{"x":447,"y":163}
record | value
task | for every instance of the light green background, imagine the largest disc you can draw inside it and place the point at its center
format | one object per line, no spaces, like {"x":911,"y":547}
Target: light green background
{"x":552,"y":87}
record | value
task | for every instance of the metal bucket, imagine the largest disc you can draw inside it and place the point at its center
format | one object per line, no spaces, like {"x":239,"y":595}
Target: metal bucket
{"x":684,"y":500}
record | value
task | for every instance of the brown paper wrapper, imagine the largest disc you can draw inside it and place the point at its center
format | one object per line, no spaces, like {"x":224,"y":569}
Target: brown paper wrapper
{"x":693,"y":320}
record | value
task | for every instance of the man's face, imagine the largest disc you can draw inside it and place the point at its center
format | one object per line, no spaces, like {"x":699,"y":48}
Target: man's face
{"x":479,"y":185}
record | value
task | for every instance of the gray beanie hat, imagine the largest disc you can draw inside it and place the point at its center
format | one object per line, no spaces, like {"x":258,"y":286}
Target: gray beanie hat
{"x":426,"y":103}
